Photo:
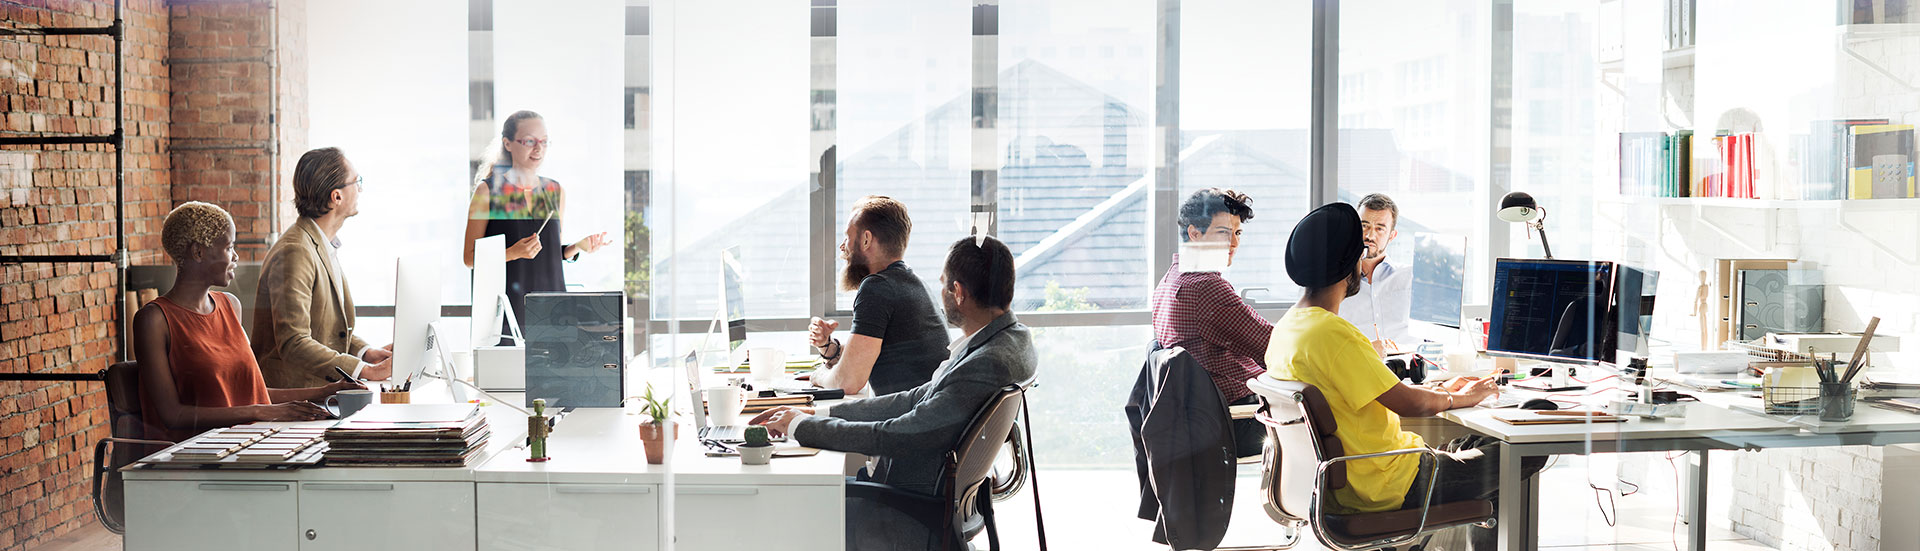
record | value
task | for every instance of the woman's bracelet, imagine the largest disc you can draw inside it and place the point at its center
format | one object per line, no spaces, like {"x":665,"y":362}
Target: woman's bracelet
{"x":1449,"y":400}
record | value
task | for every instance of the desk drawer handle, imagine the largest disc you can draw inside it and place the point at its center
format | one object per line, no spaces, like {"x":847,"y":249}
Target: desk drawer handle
{"x":239,"y":487}
{"x":347,"y":487}
{"x":698,"y":491}
{"x":569,"y":489}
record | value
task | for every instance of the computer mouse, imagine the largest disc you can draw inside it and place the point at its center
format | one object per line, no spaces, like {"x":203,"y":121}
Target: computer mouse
{"x":1539,"y":403}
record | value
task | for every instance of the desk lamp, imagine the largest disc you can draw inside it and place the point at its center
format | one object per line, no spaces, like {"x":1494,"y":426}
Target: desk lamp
{"x":1519,"y":208}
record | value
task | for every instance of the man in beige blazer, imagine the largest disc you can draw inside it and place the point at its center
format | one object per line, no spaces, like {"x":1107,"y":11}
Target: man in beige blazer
{"x":303,"y":321}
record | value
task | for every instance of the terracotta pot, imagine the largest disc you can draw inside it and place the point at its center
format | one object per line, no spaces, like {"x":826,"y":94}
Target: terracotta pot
{"x":654,"y":436}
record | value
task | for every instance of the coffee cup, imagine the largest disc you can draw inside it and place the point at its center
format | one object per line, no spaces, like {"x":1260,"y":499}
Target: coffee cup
{"x":349,"y":402}
{"x":724,"y":404}
{"x":766,"y":365}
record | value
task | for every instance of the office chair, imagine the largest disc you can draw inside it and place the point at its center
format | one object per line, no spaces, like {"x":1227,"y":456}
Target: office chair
{"x":1304,"y":463}
{"x":122,"y":448}
{"x":963,"y":504}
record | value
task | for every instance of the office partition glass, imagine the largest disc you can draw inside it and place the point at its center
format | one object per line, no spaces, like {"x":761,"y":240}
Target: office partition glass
{"x":403,"y":129}
{"x":1414,"y":96}
{"x":1245,"y":108}
{"x":1075,"y":160}
{"x":902,"y":109}
{"x":731,"y":141}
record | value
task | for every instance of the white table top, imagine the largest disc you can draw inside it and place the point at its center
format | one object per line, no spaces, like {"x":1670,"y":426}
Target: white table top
{"x":508,"y":426}
{"x":602,"y":446}
{"x":1699,"y":421}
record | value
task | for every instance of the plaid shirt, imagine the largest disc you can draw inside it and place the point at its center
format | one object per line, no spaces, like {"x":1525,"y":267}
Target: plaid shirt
{"x":1201,"y":312}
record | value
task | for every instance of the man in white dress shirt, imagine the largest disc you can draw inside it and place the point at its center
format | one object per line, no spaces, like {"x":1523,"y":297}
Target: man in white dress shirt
{"x":1385,"y":303}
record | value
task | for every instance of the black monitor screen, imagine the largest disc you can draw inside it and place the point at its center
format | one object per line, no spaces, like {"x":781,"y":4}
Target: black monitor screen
{"x":1553,"y":309}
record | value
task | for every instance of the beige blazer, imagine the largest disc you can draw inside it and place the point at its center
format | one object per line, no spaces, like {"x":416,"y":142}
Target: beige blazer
{"x":303,"y":316}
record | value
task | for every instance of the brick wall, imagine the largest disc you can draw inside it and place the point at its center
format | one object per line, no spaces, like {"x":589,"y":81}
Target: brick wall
{"x":222,"y":98}
{"x":60,"y":318}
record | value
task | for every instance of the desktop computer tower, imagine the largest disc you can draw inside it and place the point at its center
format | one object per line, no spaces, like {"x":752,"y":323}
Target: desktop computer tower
{"x":575,"y":353}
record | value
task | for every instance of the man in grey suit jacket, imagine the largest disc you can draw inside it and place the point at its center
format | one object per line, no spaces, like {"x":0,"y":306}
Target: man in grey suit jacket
{"x":910,"y":432}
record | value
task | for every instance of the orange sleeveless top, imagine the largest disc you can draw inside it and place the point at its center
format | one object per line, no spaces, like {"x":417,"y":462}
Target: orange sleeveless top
{"x":211,"y":361}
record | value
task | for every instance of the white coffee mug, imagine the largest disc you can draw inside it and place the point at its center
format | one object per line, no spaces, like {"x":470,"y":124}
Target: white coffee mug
{"x":767,"y":364}
{"x":724,"y":404}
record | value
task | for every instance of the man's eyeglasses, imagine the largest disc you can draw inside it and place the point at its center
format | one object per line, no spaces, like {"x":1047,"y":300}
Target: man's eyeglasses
{"x":356,"y":183}
{"x":533,"y":143}
{"x":716,"y":446}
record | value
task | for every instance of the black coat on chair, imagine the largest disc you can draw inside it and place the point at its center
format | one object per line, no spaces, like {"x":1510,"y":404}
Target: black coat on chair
{"x":1182,"y":451}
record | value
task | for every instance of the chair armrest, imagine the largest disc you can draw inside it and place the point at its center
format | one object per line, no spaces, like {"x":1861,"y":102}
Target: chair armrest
{"x":1242,"y":411}
{"x":1426,"y":503}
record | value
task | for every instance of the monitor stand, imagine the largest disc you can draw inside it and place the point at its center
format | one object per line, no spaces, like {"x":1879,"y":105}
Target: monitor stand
{"x":1560,"y":379}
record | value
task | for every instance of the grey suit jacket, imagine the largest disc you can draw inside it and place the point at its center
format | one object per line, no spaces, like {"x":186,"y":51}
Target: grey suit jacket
{"x":910,"y":432}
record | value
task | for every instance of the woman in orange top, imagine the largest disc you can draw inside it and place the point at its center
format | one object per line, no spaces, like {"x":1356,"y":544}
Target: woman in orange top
{"x":197,"y":371}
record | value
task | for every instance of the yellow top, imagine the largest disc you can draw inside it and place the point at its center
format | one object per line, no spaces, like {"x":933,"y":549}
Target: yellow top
{"x":1317,"y":347}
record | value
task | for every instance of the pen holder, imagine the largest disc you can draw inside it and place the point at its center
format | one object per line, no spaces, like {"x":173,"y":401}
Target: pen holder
{"x":1836,"y":401}
{"x":397,"y":397}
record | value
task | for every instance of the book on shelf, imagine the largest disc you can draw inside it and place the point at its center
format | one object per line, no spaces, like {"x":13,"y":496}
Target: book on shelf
{"x":1656,"y":164}
{"x":1880,"y":161}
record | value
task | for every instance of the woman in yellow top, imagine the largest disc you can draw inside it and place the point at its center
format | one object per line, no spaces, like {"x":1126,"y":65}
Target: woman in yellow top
{"x":1314,"y":345}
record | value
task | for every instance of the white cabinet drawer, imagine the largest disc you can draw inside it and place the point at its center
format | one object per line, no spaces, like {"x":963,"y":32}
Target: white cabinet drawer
{"x":211,"y":516}
{"x":711,"y":517}
{"x":360,"y":515}
{"x":568,"y":516}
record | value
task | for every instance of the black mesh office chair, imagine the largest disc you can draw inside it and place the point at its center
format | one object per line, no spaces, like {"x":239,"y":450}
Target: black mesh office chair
{"x":122,"y":448}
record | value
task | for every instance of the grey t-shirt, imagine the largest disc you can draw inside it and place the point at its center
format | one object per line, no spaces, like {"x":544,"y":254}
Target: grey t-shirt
{"x":893,"y":305}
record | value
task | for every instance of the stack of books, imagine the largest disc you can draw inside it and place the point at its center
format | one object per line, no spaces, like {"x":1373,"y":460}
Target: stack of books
{"x":408,"y":435}
{"x":1656,"y":164}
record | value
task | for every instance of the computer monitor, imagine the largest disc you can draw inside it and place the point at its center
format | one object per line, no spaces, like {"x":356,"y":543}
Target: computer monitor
{"x":1636,"y":291}
{"x":1439,"y":278}
{"x":732,"y":291}
{"x":1554,"y":310}
{"x":416,"y":308}
{"x":489,"y":290}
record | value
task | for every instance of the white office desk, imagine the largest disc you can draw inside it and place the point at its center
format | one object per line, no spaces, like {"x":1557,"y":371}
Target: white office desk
{"x":598,"y":492}
{"x":315,"y":509}
{"x":1703,"y":427}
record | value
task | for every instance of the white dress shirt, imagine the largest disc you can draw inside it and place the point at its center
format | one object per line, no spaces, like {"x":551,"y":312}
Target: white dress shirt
{"x":1385,"y":299}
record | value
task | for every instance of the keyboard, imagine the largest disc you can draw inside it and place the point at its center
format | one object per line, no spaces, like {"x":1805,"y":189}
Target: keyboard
{"x":733,"y":434}
{"x":1504,"y":400}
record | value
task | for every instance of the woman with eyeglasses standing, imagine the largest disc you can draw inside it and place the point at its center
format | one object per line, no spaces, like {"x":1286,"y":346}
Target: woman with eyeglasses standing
{"x":511,"y":198}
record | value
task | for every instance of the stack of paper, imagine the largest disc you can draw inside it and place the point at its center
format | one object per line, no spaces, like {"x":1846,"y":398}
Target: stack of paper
{"x":408,"y":435}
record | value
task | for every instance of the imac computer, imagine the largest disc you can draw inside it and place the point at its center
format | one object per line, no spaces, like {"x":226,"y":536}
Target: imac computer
{"x":497,"y":365}
{"x":490,"y":305}
{"x":1569,"y":311}
{"x":1439,"y":282}
{"x":416,"y":310}
{"x":732,"y":312}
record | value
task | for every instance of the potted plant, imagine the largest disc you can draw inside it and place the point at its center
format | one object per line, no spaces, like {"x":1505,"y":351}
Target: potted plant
{"x":757,"y":450}
{"x":658,"y":429}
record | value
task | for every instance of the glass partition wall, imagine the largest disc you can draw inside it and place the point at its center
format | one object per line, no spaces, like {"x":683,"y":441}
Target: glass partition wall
{"x":683,"y":128}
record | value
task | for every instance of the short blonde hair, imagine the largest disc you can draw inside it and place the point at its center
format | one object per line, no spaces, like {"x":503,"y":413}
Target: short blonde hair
{"x":193,"y":223}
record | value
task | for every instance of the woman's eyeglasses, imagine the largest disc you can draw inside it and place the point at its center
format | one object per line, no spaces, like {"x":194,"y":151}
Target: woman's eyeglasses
{"x":533,"y":143}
